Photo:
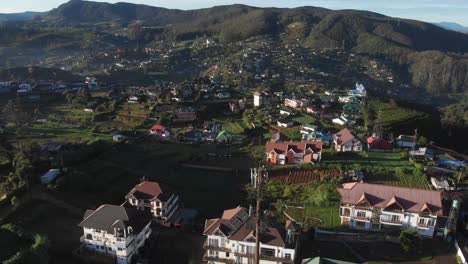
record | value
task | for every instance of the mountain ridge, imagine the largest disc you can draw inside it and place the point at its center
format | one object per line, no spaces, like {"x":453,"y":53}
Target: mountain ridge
{"x":404,"y":41}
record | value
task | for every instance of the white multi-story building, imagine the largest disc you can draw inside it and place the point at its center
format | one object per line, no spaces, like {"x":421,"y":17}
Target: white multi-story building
{"x":345,"y":141}
{"x":156,"y":198}
{"x":116,"y":231}
{"x":376,"y":207}
{"x":259,"y":99}
{"x":231,"y":239}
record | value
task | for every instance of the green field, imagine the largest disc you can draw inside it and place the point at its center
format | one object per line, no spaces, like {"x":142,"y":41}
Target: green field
{"x":387,"y":113}
{"x":305,"y":119}
{"x":380,"y":167}
{"x":236,"y":126}
{"x":324,"y":216}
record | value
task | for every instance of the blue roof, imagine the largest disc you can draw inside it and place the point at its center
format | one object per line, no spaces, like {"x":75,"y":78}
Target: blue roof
{"x":452,"y":163}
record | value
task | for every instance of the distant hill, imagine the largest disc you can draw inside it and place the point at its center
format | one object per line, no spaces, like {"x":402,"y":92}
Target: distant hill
{"x":452,"y":26}
{"x":25,"y":16}
{"x":433,"y":55}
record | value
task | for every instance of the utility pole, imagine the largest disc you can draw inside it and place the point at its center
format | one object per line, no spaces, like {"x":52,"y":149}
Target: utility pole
{"x":259,"y":195}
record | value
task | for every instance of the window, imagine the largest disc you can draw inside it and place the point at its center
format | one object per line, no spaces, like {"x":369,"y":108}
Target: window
{"x":360,"y":224}
{"x":422,"y":222}
{"x":395,"y":218}
{"x":361,"y":214}
{"x":250,"y":261}
{"x":267,"y":252}
{"x":109,"y":249}
{"x":158,"y":204}
{"x":431,"y":222}
{"x":102,"y":247}
{"x":250,"y":249}
{"x":227,"y":254}
{"x":287,"y":256}
{"x":212,"y":242}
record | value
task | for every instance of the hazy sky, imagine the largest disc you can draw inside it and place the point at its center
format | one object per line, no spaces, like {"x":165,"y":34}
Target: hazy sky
{"x":426,"y":10}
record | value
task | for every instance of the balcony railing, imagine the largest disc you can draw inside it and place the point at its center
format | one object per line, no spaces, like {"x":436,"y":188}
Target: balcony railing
{"x":264,"y":257}
{"x":206,"y":245}
{"x":364,"y":218}
{"x":217,"y":259}
{"x":276,"y":259}
{"x":387,"y":219}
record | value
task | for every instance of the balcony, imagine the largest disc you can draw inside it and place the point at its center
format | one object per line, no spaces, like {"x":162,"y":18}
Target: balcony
{"x":215,"y":247}
{"x":277,"y":259}
{"x":264,"y":257}
{"x":362,"y":218}
{"x":217,"y":259}
{"x":389,"y":219}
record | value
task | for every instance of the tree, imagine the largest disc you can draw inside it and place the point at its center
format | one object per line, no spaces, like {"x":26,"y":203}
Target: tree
{"x":410,"y":241}
{"x":40,"y":249}
{"x":422,"y":141}
{"x":14,"y":112}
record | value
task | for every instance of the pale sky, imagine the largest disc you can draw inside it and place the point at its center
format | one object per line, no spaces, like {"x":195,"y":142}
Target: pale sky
{"x":425,"y":10}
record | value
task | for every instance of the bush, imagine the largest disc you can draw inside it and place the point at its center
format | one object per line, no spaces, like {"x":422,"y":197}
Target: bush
{"x":410,"y":241}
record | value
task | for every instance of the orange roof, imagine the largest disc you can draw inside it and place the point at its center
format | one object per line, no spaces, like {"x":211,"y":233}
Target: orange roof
{"x":150,"y":190}
{"x":297,"y":147}
{"x":381,"y":196}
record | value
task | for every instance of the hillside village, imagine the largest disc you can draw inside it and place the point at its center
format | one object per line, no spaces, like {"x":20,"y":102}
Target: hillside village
{"x":324,"y":169}
{"x":208,"y":151}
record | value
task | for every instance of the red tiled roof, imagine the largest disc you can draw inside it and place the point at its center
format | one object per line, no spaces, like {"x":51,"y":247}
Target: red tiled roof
{"x":381,"y":196}
{"x":375,"y":143}
{"x":150,"y":190}
{"x":344,"y":136}
{"x":298,"y":147}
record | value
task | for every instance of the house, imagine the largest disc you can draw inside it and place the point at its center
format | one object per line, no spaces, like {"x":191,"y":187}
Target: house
{"x":360,"y":91}
{"x":376,"y":207}
{"x":313,"y":110}
{"x":348,"y":99}
{"x":157,"y":198}
{"x":340,"y":121}
{"x":345,"y":141}
{"x":116,"y":231}
{"x":286,"y":111}
{"x":118,"y":138}
{"x":374,"y":143}
{"x":294,"y":103}
{"x":406,"y":141}
{"x":350,"y":110}
{"x":259,"y":99}
{"x":161,"y":131}
{"x":285,"y":123}
{"x":307,"y":130}
{"x":422,"y":153}
{"x":231,"y":239}
{"x":291,"y":152}
{"x":91,"y":82}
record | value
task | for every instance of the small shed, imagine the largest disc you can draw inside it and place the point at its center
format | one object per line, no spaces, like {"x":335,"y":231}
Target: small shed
{"x":51,"y":175}
{"x":118,"y":138}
